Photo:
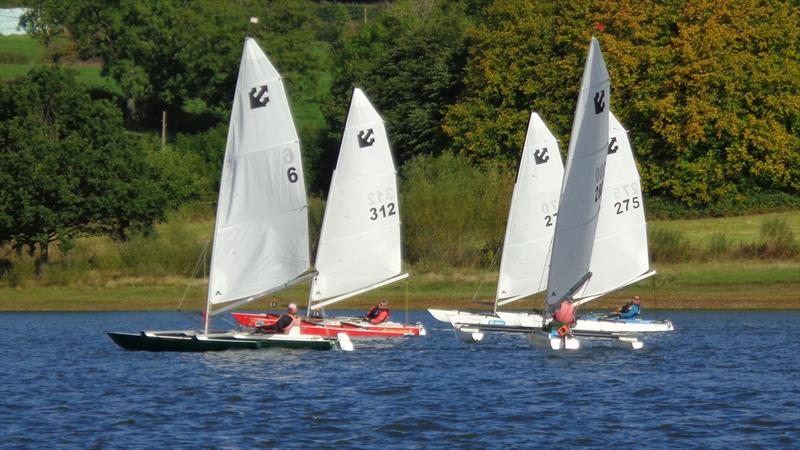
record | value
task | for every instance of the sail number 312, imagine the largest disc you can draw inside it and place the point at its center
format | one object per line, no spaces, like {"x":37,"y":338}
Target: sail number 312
{"x":384,"y":211}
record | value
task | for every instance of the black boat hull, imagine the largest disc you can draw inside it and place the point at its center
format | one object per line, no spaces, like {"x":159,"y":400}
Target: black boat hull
{"x":189,"y":342}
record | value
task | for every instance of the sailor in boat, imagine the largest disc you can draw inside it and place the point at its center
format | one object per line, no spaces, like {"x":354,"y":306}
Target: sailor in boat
{"x":284,"y":324}
{"x":563,"y":318}
{"x":379,"y":313}
{"x":629,"y":310}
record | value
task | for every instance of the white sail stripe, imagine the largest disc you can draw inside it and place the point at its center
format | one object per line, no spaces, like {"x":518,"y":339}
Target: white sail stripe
{"x":264,"y":219}
{"x":365,"y":233}
{"x":362,"y":125}
{"x":265,"y":148}
{"x":253,"y":84}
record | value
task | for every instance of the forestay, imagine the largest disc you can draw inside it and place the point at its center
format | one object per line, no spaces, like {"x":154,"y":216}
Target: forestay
{"x":582,"y":189}
{"x":359,"y":247}
{"x":619,"y":256}
{"x":261,"y":233}
{"x":532,"y":217}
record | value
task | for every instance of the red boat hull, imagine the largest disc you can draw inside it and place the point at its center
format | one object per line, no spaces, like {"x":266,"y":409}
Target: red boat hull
{"x":330,"y":327}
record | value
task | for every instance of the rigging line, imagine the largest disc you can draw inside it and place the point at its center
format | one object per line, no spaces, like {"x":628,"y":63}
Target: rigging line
{"x":655,"y":300}
{"x":480,"y":285}
{"x":201,"y":259}
{"x":406,"y":283}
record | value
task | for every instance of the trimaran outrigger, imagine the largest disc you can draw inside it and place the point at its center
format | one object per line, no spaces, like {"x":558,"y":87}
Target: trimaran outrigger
{"x":359,"y":248}
{"x":599,"y":242}
{"x":261,"y":240}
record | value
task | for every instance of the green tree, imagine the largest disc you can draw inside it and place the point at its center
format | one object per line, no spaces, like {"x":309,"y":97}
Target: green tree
{"x":68,"y":167}
{"x":708,"y":90}
{"x":728,"y":122}
{"x":184,"y":56}
{"x":409,"y":62}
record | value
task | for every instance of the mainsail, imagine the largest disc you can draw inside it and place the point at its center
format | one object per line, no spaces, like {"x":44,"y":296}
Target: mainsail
{"x":581,"y":193}
{"x":619,"y":255}
{"x":261,"y":233}
{"x":532,"y":217}
{"x":359,"y":247}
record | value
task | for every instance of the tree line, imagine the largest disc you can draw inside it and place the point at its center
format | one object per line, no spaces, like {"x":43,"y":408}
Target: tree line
{"x":708,"y":91}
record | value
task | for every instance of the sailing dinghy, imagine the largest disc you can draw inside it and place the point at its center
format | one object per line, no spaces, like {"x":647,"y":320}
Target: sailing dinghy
{"x":359,"y":248}
{"x":261,"y":232}
{"x":600,"y":241}
{"x":529,"y":231}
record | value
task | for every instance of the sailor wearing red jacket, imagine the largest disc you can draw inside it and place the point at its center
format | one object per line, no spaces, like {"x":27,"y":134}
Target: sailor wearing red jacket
{"x":379,"y":313}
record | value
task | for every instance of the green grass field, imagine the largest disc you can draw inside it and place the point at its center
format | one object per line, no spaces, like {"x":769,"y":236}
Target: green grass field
{"x":108,"y":284}
{"x":25,"y":53}
{"x":739,"y":230}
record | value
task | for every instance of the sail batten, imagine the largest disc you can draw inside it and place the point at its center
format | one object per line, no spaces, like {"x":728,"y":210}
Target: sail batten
{"x":359,"y":245}
{"x":261,"y":231}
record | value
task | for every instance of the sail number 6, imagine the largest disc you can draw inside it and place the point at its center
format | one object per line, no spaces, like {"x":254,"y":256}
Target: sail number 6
{"x":292,"y":175}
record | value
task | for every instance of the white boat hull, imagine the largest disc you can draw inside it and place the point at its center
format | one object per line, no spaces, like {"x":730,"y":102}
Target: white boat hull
{"x":514,"y":319}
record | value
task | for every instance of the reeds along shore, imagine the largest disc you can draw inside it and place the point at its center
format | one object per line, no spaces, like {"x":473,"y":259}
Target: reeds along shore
{"x":737,"y":262}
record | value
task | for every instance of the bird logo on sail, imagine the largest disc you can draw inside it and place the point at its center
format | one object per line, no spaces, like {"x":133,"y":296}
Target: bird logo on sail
{"x":613,"y":146}
{"x":366,"y":138}
{"x":599,"y":101}
{"x":259,"y":97}
{"x":540,"y":156}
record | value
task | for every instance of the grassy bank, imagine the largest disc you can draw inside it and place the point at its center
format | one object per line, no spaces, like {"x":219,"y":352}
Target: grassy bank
{"x":710,"y":285}
{"x":704,"y":263}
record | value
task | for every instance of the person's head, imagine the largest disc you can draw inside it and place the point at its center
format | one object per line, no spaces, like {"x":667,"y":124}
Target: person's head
{"x":636,"y":299}
{"x":383,"y":303}
{"x":292,"y":308}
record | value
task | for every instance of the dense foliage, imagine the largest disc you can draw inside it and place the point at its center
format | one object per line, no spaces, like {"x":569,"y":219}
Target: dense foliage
{"x":708,"y":91}
{"x":68,"y":167}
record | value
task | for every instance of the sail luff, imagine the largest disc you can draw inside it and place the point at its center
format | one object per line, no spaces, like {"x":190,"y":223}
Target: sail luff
{"x":582,"y":189}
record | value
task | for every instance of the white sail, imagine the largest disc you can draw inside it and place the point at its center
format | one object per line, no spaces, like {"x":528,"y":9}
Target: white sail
{"x":359,"y":246}
{"x":261,"y":233}
{"x":581,"y":193}
{"x":532,"y":217}
{"x":619,"y":256}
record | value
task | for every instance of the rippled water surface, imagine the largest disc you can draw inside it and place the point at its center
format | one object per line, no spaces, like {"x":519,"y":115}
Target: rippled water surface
{"x":722,"y":380}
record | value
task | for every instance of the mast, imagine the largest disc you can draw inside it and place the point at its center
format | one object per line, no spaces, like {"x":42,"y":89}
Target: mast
{"x":581,"y":193}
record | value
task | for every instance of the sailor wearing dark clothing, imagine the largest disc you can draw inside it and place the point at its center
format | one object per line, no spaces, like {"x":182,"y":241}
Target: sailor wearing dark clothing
{"x":379,"y":313}
{"x":631,"y":309}
{"x":285,"y":322}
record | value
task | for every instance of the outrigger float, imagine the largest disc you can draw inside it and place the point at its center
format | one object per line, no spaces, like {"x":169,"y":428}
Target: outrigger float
{"x":599,"y":240}
{"x":261,"y":242}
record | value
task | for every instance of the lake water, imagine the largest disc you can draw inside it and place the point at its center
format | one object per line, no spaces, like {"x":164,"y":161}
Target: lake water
{"x":721,"y":380}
